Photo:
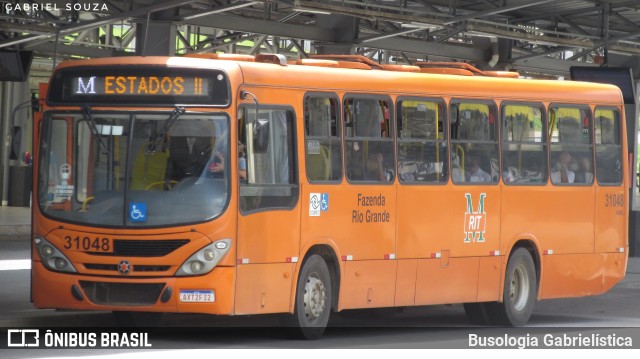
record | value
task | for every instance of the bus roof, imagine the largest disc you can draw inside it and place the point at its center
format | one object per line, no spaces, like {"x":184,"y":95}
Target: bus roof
{"x":411,"y":83}
{"x":327,"y":78}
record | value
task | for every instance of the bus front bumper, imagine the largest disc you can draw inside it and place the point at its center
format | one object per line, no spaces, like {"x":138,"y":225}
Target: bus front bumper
{"x":212,"y":293}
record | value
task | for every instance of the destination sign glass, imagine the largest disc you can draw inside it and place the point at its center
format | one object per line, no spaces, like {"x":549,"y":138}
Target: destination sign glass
{"x":139,"y":86}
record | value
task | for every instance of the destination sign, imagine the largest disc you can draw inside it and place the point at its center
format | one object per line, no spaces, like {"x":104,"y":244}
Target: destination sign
{"x":139,"y":85}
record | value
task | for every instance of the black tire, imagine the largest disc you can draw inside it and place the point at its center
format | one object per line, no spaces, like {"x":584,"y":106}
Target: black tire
{"x":477,"y":313}
{"x":313,"y":300}
{"x":520,"y":291}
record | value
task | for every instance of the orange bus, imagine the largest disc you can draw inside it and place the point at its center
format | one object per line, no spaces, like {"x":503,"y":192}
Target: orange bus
{"x":234,"y":184}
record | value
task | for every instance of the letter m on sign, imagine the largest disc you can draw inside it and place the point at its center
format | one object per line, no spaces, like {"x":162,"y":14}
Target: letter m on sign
{"x":89,"y":87}
{"x":475,"y":222}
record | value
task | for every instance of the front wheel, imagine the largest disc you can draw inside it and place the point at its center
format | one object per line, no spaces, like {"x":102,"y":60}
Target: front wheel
{"x":313,"y":299}
{"x":520,"y":291}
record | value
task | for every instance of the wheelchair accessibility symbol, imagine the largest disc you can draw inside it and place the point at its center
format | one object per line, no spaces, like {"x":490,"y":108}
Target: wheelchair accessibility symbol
{"x":137,"y":212}
{"x":318,"y":202}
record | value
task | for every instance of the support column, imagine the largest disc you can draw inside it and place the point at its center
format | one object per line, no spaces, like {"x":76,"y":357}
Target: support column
{"x":156,"y":34}
{"x":7,"y":100}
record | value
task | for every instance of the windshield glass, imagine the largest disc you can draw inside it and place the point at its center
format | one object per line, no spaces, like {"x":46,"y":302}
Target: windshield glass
{"x":133,"y":169}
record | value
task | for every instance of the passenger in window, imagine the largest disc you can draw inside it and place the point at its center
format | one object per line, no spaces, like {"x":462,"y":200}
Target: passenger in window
{"x":375,"y":167}
{"x":242,"y":162}
{"x":216,"y":165}
{"x":585,"y":172}
{"x":475,"y":174}
{"x":562,"y":173}
{"x":188,"y":156}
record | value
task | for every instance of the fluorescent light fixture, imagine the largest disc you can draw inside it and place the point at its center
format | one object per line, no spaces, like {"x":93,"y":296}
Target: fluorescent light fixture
{"x":233,"y":6}
{"x":313,"y":11}
{"x":418,"y":24}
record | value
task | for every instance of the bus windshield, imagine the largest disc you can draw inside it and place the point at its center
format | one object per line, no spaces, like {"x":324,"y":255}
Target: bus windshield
{"x":140,"y":169}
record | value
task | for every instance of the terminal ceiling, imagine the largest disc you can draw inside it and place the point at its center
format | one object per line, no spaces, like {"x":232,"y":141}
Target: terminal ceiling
{"x":536,"y":36}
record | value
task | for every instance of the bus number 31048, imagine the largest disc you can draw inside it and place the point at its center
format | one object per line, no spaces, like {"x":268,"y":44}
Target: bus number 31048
{"x":614,"y":200}
{"x":87,"y":244}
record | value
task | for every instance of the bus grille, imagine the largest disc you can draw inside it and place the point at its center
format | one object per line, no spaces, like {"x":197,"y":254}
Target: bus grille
{"x":136,"y":268}
{"x":143,"y":248}
{"x":122,"y":294}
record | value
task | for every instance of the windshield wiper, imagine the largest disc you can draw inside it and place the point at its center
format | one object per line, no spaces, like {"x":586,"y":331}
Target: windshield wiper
{"x":86,"y":114}
{"x":157,"y":137}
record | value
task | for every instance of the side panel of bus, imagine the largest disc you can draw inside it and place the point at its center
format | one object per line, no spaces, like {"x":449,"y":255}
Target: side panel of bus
{"x":268,"y":239}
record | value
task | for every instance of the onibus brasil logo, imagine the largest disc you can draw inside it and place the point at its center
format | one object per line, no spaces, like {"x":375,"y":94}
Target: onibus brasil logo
{"x":475,"y":222}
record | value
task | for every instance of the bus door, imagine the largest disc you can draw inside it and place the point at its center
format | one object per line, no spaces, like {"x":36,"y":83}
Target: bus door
{"x":611,"y":203}
{"x":567,"y":224}
{"x":464,"y":231}
{"x":59,"y":153}
{"x":365,"y":211}
{"x":269,"y":219}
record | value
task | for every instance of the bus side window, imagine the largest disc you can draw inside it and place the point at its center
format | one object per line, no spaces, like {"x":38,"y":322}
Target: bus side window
{"x":369,"y":153}
{"x":323,"y":143}
{"x":608,"y":146}
{"x":422,"y":141}
{"x":571,"y":147}
{"x":271,"y":166}
{"x":524,"y":156}
{"x":474,"y":143}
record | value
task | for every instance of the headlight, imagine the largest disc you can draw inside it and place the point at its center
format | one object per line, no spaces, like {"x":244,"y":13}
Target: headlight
{"x":204,"y":260}
{"x":52,"y":258}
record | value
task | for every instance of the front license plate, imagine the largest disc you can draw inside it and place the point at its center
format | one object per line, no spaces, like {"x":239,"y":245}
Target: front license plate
{"x":197,"y":296}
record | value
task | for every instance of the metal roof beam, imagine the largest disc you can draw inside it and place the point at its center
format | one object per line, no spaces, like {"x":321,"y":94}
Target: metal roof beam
{"x":495,"y":11}
{"x":99,"y":22}
{"x":603,"y":43}
{"x":541,"y":54}
{"x":545,"y":16}
{"x":233,"y":6}
{"x":237,"y":23}
{"x":432,"y":49}
{"x":451,"y":34}
{"x":626,"y":21}
{"x":548,"y":66}
{"x":385,"y":35}
{"x":71,"y":50}
{"x":573,"y":25}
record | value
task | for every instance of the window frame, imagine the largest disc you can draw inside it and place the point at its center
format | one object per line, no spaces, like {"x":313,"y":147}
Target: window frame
{"x":340,"y":130}
{"x":457,"y":101}
{"x":294,"y":160}
{"x":445,"y":140}
{"x":578,"y":106}
{"x":545,"y":139}
{"x":391,"y":137}
{"x":595,"y":148}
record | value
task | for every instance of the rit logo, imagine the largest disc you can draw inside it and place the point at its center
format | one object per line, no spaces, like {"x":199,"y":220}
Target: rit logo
{"x":475,"y":222}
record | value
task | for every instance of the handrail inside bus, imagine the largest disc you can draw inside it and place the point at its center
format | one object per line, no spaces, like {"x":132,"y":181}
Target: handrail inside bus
{"x":460,"y":152}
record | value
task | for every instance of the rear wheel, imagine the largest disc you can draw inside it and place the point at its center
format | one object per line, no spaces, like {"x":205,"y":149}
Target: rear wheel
{"x":313,"y":299}
{"x":520,"y":291}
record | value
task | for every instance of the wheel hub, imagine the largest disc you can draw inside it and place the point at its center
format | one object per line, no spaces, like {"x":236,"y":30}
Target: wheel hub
{"x":519,"y":288}
{"x":314,"y":297}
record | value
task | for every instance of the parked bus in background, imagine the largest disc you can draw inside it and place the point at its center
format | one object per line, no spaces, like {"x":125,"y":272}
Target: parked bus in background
{"x":234,"y":185}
